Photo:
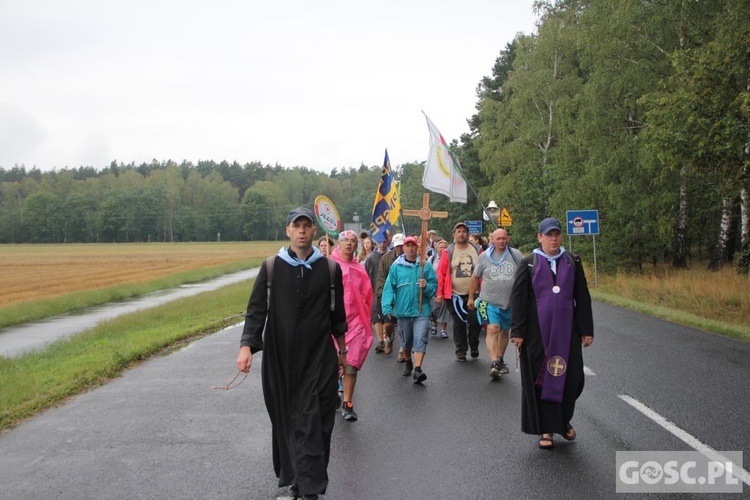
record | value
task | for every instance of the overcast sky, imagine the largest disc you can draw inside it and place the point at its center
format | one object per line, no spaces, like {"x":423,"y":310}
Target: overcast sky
{"x":320,"y":84}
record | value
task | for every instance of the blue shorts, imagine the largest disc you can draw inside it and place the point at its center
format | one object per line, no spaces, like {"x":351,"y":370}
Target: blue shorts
{"x":489,"y":314}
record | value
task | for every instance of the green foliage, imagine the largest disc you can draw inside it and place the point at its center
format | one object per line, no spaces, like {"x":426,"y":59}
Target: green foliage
{"x":619,"y":105}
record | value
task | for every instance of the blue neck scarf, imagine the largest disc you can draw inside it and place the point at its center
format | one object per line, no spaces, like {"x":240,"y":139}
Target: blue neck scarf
{"x":284,"y":254}
{"x":490,"y":250}
{"x":401,"y":261}
{"x":551,"y":259}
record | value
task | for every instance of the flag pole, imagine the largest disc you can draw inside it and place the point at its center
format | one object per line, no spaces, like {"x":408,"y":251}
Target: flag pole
{"x":479,"y":200}
{"x":455,"y":164}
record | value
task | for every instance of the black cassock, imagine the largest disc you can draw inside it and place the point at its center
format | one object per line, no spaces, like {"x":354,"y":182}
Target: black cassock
{"x":300,"y":366}
{"x":539,"y":416}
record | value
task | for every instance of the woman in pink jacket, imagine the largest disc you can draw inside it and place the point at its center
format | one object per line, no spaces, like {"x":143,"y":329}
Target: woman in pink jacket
{"x":358,"y":303}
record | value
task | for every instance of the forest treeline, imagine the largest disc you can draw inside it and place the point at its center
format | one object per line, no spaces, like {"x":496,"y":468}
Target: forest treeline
{"x":639,"y":109}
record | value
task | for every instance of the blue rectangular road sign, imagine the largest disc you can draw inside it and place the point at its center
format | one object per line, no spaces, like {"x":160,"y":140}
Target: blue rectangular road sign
{"x":581,"y":222}
{"x":475,"y":226}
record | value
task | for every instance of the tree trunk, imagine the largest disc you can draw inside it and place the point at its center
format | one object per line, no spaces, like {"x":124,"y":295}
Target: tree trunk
{"x":720,"y":255}
{"x":680,"y":257}
{"x":744,"y":261}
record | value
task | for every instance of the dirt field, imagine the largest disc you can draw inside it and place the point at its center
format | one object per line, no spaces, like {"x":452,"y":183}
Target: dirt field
{"x":35,"y":272}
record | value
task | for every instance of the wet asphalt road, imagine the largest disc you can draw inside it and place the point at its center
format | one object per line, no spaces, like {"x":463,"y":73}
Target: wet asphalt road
{"x":159,"y":431}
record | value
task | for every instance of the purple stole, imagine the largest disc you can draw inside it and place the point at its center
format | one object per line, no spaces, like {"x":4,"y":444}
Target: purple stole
{"x":555,"y":313}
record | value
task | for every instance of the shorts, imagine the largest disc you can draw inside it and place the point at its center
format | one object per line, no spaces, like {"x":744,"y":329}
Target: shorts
{"x":414,"y":332}
{"x":489,"y":314}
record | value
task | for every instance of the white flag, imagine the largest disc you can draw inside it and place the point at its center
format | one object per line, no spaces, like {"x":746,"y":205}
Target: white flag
{"x":442,"y":173}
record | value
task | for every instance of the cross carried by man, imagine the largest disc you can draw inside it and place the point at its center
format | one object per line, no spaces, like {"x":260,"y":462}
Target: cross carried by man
{"x":425,"y":214}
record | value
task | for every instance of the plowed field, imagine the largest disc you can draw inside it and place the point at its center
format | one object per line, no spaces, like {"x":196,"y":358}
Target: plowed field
{"x":36,"y":272}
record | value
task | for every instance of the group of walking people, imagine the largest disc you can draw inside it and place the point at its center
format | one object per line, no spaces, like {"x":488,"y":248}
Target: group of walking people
{"x":314,"y":319}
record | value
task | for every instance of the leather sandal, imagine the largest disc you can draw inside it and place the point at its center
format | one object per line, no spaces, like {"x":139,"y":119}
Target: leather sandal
{"x":570,"y":433}
{"x":546,"y":442}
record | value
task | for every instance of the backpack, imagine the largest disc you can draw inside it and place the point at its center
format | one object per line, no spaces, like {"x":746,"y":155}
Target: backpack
{"x":479,"y":252}
{"x":269,"y":277}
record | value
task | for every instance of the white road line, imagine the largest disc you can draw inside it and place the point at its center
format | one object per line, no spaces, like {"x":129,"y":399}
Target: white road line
{"x":587,"y":370}
{"x":691,"y":440}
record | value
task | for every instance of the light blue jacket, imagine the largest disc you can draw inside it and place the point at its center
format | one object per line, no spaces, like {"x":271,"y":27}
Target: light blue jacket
{"x":401,"y":290}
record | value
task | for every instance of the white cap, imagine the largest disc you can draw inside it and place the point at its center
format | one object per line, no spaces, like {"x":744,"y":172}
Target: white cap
{"x":398,"y":239}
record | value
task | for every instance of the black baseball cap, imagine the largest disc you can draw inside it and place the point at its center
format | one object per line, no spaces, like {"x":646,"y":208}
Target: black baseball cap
{"x":300,"y":212}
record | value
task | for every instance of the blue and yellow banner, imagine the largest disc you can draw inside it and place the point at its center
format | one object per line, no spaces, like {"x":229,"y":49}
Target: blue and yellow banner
{"x":386,"y":210}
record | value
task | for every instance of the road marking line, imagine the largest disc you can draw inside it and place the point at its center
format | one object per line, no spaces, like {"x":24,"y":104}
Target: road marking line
{"x":689,"y":439}
{"x":587,"y":370}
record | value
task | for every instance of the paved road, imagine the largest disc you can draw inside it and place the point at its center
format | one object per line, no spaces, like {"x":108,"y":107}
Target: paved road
{"x":36,"y":335}
{"x":159,"y":431}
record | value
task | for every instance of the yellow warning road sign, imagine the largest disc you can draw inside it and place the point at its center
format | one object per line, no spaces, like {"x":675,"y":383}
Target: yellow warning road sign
{"x":505,"y":219}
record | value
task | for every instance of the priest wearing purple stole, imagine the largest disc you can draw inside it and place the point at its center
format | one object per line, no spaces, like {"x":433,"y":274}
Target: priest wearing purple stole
{"x":551,"y":319}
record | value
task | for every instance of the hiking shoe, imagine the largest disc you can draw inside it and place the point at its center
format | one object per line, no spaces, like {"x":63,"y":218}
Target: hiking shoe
{"x":495,"y":370}
{"x":419,"y":376}
{"x":401,"y":358}
{"x":408,"y":367}
{"x":461,"y":357}
{"x":503,"y":368}
{"x":348,"y":412}
{"x":474,"y":354}
{"x":380,"y":347}
{"x":444,"y":334}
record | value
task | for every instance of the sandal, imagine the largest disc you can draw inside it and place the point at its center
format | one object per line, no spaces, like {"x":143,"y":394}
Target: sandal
{"x":546,"y":442}
{"x":570,"y":433}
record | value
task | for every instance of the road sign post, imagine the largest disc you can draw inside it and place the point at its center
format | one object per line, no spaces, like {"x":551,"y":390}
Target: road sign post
{"x":474,"y":226}
{"x":582,"y":223}
{"x":505,"y":220}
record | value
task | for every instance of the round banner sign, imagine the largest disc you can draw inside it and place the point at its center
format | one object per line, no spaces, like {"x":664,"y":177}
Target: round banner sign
{"x":327,"y":216}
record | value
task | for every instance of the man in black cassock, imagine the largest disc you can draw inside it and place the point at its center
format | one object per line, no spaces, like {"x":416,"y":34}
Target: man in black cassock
{"x":300,"y":361}
{"x":551,"y":319}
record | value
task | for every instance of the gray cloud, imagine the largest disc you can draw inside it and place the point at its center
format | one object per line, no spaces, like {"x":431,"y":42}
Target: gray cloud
{"x":20,"y":134}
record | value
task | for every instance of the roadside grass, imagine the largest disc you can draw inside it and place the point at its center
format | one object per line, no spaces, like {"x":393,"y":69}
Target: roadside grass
{"x":675,"y":316}
{"x":40,"y":380}
{"x":24,"y":312}
{"x":717,"y":302}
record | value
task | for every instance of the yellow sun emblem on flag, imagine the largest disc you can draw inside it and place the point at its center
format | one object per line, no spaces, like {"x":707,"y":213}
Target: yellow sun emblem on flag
{"x":441,"y":164}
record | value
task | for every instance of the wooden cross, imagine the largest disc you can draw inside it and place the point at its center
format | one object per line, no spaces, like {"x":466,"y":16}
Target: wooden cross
{"x":425,"y":214}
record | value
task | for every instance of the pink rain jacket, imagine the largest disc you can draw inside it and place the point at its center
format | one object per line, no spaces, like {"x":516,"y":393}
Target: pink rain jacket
{"x":358,"y":299}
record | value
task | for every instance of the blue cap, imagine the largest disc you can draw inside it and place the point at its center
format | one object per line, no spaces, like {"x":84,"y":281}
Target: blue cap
{"x":549,"y":224}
